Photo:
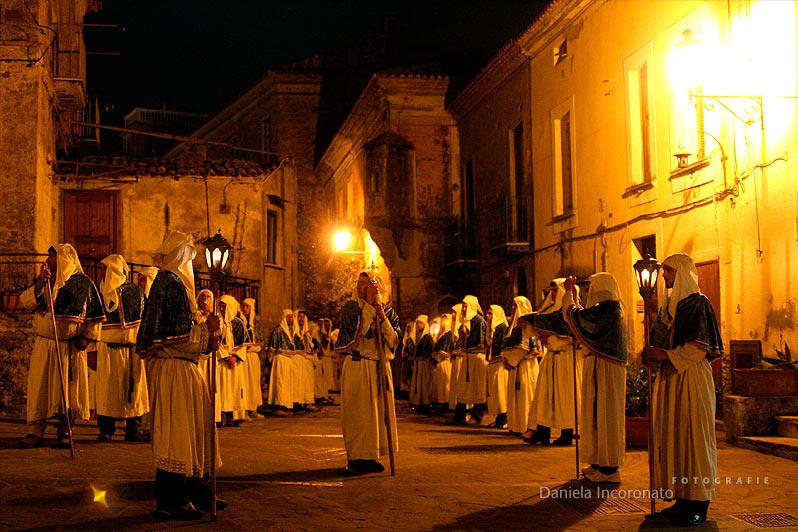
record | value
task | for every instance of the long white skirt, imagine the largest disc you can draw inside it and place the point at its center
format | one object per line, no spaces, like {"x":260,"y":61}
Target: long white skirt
{"x":684,"y":425}
{"x":421,"y":383}
{"x":181,"y":418}
{"x":553,"y":405}
{"x":497,"y":389}
{"x":602,"y":427}
{"x":472,"y":381}
{"x":441,"y":379}
{"x":363,"y":410}
{"x":521,"y":384}
{"x":252,"y":389}
{"x":283,"y":382}
{"x":113,"y":397}
{"x":45,"y":395}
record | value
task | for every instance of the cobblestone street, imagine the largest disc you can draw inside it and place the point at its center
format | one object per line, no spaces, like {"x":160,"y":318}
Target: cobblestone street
{"x":284,"y":474}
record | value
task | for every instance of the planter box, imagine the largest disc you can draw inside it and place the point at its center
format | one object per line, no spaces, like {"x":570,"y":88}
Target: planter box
{"x":636,"y":431}
{"x":765,"y":382}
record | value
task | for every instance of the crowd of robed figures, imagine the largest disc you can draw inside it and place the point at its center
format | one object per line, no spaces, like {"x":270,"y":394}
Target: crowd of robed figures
{"x":534,"y":372}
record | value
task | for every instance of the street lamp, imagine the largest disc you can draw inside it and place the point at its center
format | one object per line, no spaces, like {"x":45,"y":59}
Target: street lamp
{"x":217,"y":255}
{"x":341,"y":240}
{"x":646,"y":273}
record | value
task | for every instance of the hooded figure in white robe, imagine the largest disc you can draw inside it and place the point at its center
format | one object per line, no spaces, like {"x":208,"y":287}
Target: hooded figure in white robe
{"x":442,"y":372}
{"x":253,"y":396}
{"x":181,"y":415}
{"x":120,"y":383}
{"x":472,"y":377}
{"x":601,"y":329}
{"x":329,"y":375}
{"x":366,"y":381}
{"x":421,"y":378}
{"x":553,"y":405}
{"x":684,"y":337}
{"x":283,"y":381}
{"x":231,"y":364}
{"x":520,"y":355}
{"x":495,"y":335}
{"x":78,"y":321}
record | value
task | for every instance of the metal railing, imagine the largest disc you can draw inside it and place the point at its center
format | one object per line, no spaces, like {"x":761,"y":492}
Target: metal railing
{"x":18,"y":270}
{"x":510,"y":226}
{"x":459,"y":245}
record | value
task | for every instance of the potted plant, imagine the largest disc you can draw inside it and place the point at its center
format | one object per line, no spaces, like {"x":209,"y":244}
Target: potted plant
{"x":636,"y":406}
{"x":775,"y":376}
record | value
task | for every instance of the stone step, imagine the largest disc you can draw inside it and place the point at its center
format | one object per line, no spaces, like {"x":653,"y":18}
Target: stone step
{"x":782,"y":446}
{"x":787,"y":426}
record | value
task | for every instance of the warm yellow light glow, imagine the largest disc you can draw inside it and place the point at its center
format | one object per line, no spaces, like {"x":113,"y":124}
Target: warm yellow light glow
{"x":341,"y":240}
{"x":99,"y":496}
{"x":217,"y":258}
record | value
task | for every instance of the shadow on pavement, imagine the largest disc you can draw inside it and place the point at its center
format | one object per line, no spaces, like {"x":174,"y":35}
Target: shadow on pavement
{"x":314,"y":475}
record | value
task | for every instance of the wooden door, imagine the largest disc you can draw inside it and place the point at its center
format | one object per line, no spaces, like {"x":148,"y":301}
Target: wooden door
{"x":91,"y":222}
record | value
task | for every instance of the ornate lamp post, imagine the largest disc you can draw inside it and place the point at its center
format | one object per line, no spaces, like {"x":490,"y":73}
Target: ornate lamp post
{"x":217,"y":255}
{"x":646,"y":273}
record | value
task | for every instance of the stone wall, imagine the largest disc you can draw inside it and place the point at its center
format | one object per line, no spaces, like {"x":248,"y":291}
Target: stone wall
{"x":16,"y":346}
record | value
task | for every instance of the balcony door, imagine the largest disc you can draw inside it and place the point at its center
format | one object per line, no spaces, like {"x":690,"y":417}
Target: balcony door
{"x":91,"y":222}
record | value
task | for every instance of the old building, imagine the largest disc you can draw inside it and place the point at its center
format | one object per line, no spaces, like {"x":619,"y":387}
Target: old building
{"x":390,"y":175}
{"x":43,"y":88}
{"x":492,"y":235}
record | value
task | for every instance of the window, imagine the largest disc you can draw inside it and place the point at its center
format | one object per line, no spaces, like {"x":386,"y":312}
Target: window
{"x":560,"y":52}
{"x":564,"y":171}
{"x":469,"y":210}
{"x":271,"y":236}
{"x":641,"y":141}
{"x":518,"y":206}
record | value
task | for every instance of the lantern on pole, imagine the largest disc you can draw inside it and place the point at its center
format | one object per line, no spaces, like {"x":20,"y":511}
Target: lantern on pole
{"x":646,"y":274}
{"x":217,"y":256}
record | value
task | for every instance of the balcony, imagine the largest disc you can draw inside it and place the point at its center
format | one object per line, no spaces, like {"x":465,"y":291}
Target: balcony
{"x":459,"y":247}
{"x":69,"y":77}
{"x":508,"y":226}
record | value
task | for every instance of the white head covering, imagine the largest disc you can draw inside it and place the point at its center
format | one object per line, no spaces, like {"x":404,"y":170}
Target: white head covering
{"x":456,"y":322}
{"x":498,"y":317}
{"x":550,"y":305}
{"x":231,"y":308}
{"x":177,"y":252}
{"x":149,"y":272}
{"x":384,"y":288}
{"x":305,"y":328}
{"x":68,"y":264}
{"x":414,"y":330}
{"x":685,"y":283}
{"x":251,"y":318}
{"x":603,"y":287}
{"x":522,"y":307}
{"x":284,"y":324}
{"x":116,"y":270}
{"x":473,"y":306}
{"x":446,"y":324}
{"x":435,"y":328}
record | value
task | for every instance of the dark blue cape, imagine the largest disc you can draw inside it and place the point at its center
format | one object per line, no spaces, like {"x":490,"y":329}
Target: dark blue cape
{"x":694,"y":322}
{"x":128,"y":313}
{"x":167,"y":317}
{"x":78,"y":300}
{"x":602,"y":329}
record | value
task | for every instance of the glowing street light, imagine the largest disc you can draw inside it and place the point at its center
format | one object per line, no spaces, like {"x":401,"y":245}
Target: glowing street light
{"x":341,"y":240}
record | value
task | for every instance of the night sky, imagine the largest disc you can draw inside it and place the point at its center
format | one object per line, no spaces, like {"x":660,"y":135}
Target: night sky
{"x":197,"y":55}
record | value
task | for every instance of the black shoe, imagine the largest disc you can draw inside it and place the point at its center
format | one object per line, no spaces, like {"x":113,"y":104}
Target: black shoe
{"x":105,"y":438}
{"x":30,"y":441}
{"x":690,"y":519}
{"x":138,"y":437}
{"x":205,"y":505}
{"x":62,"y":441}
{"x":372,"y":466}
{"x":538,"y":439}
{"x":675,"y":510}
{"x":353,"y":468}
{"x":187,"y":512}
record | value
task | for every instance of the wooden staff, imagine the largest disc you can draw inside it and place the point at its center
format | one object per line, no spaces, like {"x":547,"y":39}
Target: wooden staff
{"x":382,"y":377}
{"x":60,"y":369}
{"x":212,"y":387}
{"x":576,"y":405}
